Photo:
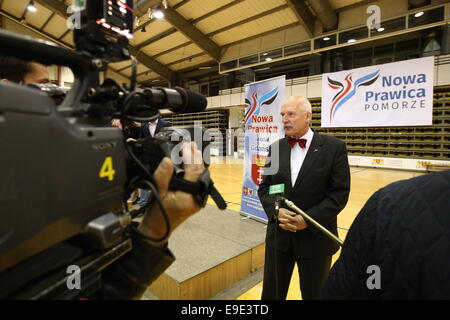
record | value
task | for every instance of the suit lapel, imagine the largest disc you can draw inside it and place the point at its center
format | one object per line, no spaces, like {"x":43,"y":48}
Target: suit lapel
{"x":285,"y":162}
{"x":146,"y":129}
{"x":310,"y":159}
{"x":158,"y":126}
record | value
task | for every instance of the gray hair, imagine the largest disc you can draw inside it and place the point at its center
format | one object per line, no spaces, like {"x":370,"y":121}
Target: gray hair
{"x":308,"y":106}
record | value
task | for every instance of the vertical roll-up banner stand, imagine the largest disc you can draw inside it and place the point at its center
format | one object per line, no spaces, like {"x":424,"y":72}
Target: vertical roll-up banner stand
{"x":263,"y":126}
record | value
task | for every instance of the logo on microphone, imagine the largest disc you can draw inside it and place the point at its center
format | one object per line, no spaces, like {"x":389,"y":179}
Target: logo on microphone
{"x":348,"y":88}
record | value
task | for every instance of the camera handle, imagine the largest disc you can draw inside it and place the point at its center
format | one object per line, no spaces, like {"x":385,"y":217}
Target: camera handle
{"x":200,"y":189}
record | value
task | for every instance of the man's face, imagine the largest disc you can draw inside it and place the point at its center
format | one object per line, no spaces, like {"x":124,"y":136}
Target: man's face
{"x":38,"y":74}
{"x":295,"y":118}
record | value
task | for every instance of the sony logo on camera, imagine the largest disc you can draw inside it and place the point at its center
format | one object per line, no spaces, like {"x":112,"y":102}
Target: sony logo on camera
{"x":104,"y":145}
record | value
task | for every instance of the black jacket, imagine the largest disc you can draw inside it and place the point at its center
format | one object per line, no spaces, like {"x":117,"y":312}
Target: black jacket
{"x":132,"y":132}
{"x":404,"y":229}
{"x":321,"y":190}
{"x":145,"y":130}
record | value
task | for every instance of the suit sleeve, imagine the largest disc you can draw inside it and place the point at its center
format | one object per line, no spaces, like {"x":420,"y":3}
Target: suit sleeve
{"x":336,"y":195}
{"x":162,"y":124}
{"x":349,"y":275}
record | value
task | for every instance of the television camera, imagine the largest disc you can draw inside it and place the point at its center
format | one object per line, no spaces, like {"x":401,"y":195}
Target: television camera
{"x":66,"y":173}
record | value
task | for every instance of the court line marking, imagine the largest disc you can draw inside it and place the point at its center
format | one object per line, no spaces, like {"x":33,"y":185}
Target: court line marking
{"x":358,"y":171}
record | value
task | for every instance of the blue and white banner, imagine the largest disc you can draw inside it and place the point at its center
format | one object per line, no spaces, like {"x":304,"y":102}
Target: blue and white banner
{"x":263,"y":126}
{"x":392,"y":94}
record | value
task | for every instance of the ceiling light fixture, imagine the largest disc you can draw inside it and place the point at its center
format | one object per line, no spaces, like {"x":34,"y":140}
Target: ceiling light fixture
{"x":351,"y":40}
{"x":380,"y":29}
{"x":268,"y":59}
{"x":326,"y":38}
{"x":418,"y":14}
{"x":31,"y":7}
{"x":158,"y":14}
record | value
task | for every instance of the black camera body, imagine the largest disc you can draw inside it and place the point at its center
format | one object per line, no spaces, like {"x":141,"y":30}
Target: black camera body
{"x":56,"y":176}
{"x":66,"y":173}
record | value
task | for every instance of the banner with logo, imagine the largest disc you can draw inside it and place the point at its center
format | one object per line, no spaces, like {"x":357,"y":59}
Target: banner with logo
{"x":263,"y":126}
{"x":392,"y":94}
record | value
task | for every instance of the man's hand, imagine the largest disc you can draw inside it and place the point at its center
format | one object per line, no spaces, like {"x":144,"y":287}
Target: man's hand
{"x":290,"y":221}
{"x":178,"y":204}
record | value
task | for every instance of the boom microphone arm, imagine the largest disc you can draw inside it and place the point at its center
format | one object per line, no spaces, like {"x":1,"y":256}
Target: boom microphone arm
{"x":308,"y":218}
{"x":278,"y":191}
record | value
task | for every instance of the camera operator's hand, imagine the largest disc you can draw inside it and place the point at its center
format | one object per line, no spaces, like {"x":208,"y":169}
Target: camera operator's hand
{"x":178,"y":204}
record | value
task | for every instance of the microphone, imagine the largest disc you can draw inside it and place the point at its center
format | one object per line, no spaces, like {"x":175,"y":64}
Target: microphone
{"x":277,"y":205}
{"x":278,"y":190}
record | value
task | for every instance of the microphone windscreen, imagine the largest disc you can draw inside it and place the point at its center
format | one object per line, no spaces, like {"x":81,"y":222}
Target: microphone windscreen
{"x":192,"y":101}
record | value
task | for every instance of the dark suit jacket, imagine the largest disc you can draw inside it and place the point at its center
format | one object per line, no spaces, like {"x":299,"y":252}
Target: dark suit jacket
{"x":321,"y":190}
{"x":145,"y":128}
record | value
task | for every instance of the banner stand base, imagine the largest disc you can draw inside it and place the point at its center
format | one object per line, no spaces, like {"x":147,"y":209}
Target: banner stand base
{"x":253,"y":217}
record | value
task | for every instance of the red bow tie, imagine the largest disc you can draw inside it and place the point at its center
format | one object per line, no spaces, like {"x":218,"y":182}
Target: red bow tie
{"x":293,"y":141}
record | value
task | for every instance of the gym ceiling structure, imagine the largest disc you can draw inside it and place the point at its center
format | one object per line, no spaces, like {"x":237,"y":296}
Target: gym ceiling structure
{"x":216,"y":45}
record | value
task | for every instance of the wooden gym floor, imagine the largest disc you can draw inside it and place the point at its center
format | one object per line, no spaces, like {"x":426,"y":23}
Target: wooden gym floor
{"x":227,"y":176}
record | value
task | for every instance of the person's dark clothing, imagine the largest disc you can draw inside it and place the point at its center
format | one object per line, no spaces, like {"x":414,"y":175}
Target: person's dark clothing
{"x":132,"y":132}
{"x":145,"y":128}
{"x":404,"y":230}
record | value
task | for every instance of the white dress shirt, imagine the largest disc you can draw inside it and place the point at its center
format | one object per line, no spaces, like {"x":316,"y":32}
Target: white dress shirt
{"x":298,"y":155}
{"x":152,"y":127}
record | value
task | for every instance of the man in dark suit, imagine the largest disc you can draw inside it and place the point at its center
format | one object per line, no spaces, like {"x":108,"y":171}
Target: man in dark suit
{"x":153,"y":127}
{"x":150,"y":129}
{"x":314,"y":170}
